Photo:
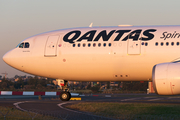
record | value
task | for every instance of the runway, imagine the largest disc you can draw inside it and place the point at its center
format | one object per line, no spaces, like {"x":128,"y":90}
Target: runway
{"x":52,"y":105}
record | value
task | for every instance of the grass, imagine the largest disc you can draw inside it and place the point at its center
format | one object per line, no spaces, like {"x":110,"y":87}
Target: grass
{"x":130,"y":110}
{"x":11,"y":113}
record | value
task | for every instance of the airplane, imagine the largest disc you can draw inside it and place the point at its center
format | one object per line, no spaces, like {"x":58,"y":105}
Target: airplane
{"x":113,"y":53}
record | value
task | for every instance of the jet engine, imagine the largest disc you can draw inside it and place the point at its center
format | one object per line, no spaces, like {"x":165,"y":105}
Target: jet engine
{"x":166,"y":78}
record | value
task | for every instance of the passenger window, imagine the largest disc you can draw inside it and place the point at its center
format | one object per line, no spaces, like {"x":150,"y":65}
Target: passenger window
{"x":146,"y":44}
{"x":84,"y":45}
{"x":109,"y":44}
{"x":99,"y":44}
{"x":79,"y":45}
{"x":74,"y":45}
{"x":59,"y":45}
{"x":104,"y":44}
{"x":94,"y":44}
{"x":156,"y":43}
{"x":89,"y":44}
{"x":142,"y":43}
{"x":167,"y":43}
{"x":177,"y":43}
{"x":162,"y":44}
{"x":21,"y":45}
{"x":172,"y":43}
{"x":26,"y":45}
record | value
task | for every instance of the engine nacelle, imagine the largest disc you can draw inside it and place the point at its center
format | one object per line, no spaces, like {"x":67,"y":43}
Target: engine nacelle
{"x":166,"y":78}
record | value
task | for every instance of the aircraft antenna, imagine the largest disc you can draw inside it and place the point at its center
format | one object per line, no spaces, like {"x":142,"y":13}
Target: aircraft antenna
{"x":91,"y":25}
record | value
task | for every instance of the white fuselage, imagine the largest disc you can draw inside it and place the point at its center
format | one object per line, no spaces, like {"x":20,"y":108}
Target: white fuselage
{"x":98,"y":53}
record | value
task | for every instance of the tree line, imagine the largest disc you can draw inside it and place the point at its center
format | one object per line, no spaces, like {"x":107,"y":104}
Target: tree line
{"x":34,"y":83}
{"x":31,"y":83}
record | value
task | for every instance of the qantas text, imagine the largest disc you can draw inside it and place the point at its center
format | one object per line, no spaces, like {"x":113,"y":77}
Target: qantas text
{"x":75,"y":36}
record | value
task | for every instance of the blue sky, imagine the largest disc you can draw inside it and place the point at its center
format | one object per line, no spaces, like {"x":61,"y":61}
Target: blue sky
{"x":20,"y":19}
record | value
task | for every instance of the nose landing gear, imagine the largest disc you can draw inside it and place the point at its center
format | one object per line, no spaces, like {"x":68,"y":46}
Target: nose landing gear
{"x":65,"y":95}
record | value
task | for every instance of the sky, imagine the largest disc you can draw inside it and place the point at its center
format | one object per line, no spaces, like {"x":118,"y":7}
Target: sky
{"x":20,"y":19}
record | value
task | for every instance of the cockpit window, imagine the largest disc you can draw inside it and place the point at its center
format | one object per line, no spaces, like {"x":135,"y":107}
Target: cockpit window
{"x":26,"y":45}
{"x":21,"y":45}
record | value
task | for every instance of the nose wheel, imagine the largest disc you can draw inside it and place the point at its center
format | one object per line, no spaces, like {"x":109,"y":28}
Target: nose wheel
{"x":65,"y":96}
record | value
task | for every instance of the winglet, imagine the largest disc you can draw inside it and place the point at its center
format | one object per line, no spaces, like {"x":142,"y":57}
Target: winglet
{"x":91,"y":25}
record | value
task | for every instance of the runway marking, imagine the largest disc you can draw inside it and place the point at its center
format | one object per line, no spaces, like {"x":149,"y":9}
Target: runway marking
{"x":172,"y":97}
{"x":155,"y":99}
{"x":130,"y":99}
{"x":149,"y":97}
{"x":17,"y":105}
{"x":60,"y":105}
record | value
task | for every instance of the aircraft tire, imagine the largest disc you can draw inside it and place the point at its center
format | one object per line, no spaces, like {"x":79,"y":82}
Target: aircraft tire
{"x":65,"y":96}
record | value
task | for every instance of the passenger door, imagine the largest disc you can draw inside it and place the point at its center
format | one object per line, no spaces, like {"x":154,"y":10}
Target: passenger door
{"x":51,"y":46}
{"x":134,"y":47}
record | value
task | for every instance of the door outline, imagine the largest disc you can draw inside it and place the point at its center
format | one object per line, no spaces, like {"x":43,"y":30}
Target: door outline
{"x":133,"y":47}
{"x":51,"y":46}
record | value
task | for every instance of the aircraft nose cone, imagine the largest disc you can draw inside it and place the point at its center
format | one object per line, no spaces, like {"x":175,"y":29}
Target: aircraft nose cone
{"x":7,"y":58}
{"x":13,"y":59}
